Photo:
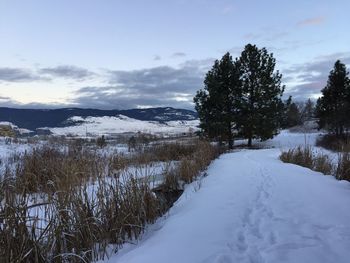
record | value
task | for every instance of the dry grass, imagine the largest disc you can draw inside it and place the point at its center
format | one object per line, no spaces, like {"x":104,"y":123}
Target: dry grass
{"x":73,"y":226}
{"x":323,"y":164}
{"x":46,"y":169}
{"x":334,"y":143}
{"x":300,"y":156}
{"x":164,"y":152}
{"x":343,"y":170}
{"x":7,"y":131}
{"x":304,"y":156}
{"x":69,"y":204}
{"x":189,"y":169}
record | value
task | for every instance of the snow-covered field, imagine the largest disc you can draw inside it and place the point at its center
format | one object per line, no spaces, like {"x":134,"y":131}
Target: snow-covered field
{"x":252,"y":208}
{"x":8,"y":150}
{"x":122,"y":124}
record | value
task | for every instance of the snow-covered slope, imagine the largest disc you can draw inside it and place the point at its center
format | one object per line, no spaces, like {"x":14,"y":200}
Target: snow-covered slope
{"x":121,"y":124}
{"x":33,"y":119}
{"x":252,"y":208}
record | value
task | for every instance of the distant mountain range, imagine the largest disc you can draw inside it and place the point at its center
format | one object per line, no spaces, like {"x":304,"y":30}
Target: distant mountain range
{"x":33,"y":119}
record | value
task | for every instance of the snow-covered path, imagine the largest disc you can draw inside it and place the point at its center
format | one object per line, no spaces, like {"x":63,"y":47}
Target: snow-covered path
{"x":252,"y":208}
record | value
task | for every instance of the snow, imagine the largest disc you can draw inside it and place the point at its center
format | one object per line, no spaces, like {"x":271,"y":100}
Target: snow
{"x":122,"y":124}
{"x":6,"y":123}
{"x":286,"y":139}
{"x":8,"y":150}
{"x":252,"y":208}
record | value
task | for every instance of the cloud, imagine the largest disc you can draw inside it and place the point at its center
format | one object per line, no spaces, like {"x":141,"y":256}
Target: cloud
{"x":10,"y":103}
{"x":268,"y":34}
{"x":157,"y":57}
{"x":253,"y":36}
{"x":44,"y":74}
{"x":4,"y":100}
{"x":158,"y":86}
{"x":172,"y":86}
{"x":312,"y":21}
{"x":68,"y":72}
{"x":178,"y":55}
{"x":307,"y":80}
{"x":17,"y":75}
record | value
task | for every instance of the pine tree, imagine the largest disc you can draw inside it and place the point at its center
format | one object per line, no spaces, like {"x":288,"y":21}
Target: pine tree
{"x":217,"y":103}
{"x":308,"y":110}
{"x":261,"y":104}
{"x":242,"y":97}
{"x":284,"y":118}
{"x":293,"y":116}
{"x":333,"y":108}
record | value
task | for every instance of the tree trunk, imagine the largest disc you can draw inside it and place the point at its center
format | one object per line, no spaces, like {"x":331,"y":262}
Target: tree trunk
{"x":337,"y":131}
{"x":250,"y":141}
{"x":230,"y":143}
{"x":230,"y":136}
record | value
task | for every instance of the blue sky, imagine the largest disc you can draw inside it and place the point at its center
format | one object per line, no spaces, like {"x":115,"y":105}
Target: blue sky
{"x":124,"y":54}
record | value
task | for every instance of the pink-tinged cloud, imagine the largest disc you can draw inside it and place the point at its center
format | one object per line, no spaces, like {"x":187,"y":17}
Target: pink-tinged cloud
{"x":312,"y":21}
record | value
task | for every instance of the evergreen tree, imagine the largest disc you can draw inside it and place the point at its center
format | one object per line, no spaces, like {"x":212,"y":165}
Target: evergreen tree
{"x":284,"y":118}
{"x":261,"y":103}
{"x":333,"y":108}
{"x":308,"y":110}
{"x":293,"y":116}
{"x":217,"y":103}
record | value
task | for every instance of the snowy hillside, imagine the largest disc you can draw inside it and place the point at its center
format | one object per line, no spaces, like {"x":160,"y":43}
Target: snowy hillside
{"x":33,"y":119}
{"x":122,"y":124}
{"x":252,"y":208}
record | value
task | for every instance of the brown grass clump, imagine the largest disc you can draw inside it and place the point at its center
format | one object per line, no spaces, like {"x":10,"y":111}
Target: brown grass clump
{"x":189,"y":168}
{"x":47,"y":168}
{"x":304,"y":156}
{"x":300,"y":156}
{"x":164,"y":152}
{"x":75,"y":225}
{"x":323,"y":164}
{"x":319,"y":162}
{"x":343,"y":170}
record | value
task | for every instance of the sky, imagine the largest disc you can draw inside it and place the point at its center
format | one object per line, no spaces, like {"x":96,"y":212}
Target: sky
{"x":114,"y":54}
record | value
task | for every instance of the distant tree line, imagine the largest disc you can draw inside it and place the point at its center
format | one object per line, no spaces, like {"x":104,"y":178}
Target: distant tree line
{"x":297,"y":113}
